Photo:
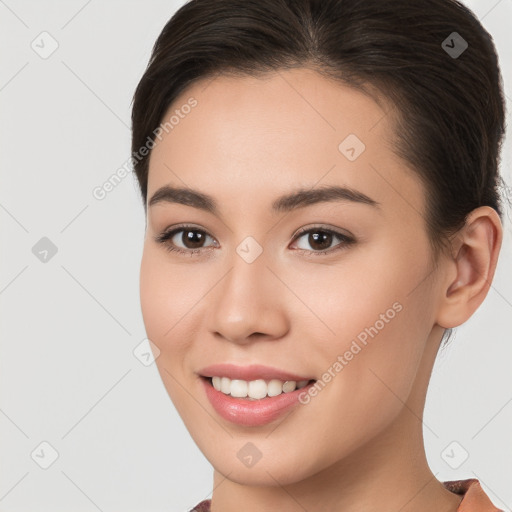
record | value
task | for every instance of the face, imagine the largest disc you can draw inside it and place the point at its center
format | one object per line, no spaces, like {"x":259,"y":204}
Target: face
{"x":333,"y":286}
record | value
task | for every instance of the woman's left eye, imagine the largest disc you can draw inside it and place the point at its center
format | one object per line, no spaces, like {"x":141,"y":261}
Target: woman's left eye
{"x":321,"y":239}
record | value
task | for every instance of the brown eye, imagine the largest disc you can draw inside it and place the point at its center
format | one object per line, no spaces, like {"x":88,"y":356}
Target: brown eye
{"x":320,"y":241}
{"x":185,"y":240}
{"x":192,"y":238}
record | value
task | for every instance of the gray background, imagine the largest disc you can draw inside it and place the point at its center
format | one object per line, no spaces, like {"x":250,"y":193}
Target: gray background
{"x":68,"y":374}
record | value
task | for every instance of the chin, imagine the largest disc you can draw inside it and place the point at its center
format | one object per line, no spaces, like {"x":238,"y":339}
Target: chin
{"x":272,"y":464}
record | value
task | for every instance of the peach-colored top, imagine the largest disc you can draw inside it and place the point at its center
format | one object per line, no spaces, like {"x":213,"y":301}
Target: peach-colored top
{"x":474,"y":498}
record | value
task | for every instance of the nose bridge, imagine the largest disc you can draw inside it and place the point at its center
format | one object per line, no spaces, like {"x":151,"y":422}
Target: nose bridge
{"x":246,"y":301}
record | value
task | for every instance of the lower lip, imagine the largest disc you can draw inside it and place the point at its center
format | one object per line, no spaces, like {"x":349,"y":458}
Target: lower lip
{"x":251,"y":413}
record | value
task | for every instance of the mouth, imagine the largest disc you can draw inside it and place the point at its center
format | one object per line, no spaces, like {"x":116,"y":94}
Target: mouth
{"x":253,"y":395}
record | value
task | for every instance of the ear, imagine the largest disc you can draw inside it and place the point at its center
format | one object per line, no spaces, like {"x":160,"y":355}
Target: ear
{"x":471,"y":267}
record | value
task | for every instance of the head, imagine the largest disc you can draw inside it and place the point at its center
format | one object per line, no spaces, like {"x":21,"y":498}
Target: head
{"x":338,"y":170}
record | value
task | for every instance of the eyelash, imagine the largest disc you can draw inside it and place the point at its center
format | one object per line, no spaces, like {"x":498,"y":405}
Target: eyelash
{"x":164,"y":238}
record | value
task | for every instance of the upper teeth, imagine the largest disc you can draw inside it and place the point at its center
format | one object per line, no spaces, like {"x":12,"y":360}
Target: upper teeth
{"x":255,"y":388}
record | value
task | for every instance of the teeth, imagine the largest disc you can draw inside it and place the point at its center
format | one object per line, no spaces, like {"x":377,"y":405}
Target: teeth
{"x":255,"y":389}
{"x":275,"y":387}
{"x":239,"y":388}
{"x":216,"y":381}
{"x":289,"y":385}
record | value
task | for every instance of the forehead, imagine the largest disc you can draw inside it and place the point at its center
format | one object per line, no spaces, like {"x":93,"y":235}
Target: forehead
{"x":286,"y":128}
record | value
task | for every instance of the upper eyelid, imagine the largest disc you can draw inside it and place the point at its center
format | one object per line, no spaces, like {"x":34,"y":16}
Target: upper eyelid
{"x":334,"y":231}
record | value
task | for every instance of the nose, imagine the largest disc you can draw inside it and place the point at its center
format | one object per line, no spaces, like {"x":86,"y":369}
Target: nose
{"x":248,"y":304}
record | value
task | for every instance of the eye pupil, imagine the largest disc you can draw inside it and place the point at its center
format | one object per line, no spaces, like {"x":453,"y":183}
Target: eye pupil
{"x":193,"y":237}
{"x":320,"y":237}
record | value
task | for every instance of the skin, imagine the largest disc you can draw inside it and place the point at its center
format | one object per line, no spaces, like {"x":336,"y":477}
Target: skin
{"x":358,"y":444}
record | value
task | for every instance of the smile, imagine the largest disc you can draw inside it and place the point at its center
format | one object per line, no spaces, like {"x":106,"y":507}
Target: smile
{"x":252,"y":395}
{"x":255,"y":389}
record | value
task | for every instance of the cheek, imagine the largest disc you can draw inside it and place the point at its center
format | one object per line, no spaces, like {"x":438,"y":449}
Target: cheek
{"x":163,"y":305}
{"x":152,"y":297}
{"x":367,"y":369}
{"x":168,"y":293}
{"x":162,"y":309}
{"x":375,"y":321}
{"x":361,"y":293}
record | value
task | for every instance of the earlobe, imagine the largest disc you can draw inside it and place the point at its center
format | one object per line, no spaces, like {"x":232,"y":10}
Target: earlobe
{"x":472,"y":267}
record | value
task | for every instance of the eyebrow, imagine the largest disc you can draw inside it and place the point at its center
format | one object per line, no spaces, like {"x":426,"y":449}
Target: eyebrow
{"x":288,"y":202}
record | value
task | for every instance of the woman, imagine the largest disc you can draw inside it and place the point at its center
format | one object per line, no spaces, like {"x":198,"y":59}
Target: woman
{"x":320,"y":181}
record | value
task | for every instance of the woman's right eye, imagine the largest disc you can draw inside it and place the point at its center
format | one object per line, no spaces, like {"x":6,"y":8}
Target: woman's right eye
{"x":190,"y":238}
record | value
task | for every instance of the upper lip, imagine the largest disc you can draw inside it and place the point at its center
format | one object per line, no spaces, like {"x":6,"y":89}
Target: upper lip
{"x":248,"y":373}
